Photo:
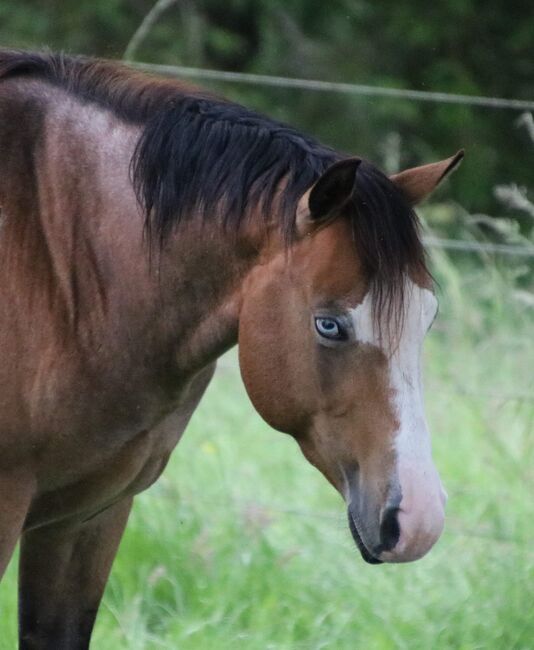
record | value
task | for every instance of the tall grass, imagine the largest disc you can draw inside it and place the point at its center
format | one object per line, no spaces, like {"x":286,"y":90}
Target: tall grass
{"x":241,"y":544}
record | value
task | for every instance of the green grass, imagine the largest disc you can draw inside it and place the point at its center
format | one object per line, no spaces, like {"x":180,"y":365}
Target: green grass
{"x":241,"y":544}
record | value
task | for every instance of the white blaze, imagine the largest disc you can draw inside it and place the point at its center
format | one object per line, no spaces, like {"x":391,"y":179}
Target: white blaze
{"x":421,"y":509}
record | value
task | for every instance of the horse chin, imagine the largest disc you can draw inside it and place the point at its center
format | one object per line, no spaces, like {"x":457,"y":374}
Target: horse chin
{"x":370,"y":559}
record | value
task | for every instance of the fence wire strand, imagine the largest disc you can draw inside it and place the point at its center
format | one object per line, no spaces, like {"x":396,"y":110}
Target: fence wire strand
{"x":479,"y":247}
{"x":336,"y":86}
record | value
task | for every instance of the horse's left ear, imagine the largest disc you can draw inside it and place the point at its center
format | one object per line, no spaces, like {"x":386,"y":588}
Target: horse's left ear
{"x":417,"y":183}
{"x":327,"y":196}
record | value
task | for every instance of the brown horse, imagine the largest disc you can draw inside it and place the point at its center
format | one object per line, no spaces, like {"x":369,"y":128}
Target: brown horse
{"x":146,"y":227}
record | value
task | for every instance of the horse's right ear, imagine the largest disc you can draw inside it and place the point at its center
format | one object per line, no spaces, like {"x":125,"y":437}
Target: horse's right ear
{"x":327,"y":196}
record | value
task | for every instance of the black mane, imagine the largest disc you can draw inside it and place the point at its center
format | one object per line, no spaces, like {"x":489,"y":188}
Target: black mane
{"x":209,"y":158}
{"x":200,"y":156}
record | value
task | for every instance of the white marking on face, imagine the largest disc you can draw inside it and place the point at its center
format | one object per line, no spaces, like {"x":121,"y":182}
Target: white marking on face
{"x":421,"y":508}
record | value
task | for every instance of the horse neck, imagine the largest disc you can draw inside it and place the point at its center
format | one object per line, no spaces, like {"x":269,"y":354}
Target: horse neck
{"x":201,"y":275}
{"x":82,"y":266}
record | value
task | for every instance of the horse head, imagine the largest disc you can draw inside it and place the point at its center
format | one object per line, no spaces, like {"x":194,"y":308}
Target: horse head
{"x":330,"y":336}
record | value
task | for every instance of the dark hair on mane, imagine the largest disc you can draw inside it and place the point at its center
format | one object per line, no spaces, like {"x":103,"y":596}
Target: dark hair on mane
{"x":386,"y":232}
{"x":208,"y":158}
{"x":200,"y":156}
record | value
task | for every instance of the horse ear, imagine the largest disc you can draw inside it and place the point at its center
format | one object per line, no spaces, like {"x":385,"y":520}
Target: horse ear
{"x":417,"y":183}
{"x":328,"y":194}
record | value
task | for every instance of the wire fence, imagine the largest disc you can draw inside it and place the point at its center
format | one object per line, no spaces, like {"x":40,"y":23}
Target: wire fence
{"x":338,"y":87}
{"x":479,"y":247}
{"x":368,"y":91}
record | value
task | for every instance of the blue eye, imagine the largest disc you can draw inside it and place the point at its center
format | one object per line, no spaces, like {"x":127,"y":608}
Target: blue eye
{"x":330,"y":328}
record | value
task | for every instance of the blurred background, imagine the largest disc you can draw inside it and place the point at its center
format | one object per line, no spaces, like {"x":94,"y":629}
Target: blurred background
{"x":241,"y":544}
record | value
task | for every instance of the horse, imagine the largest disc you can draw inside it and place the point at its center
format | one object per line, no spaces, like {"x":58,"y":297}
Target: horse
{"x":147,"y":226}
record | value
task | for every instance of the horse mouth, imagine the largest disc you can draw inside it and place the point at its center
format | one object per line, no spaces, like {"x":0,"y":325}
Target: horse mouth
{"x":366,"y":555}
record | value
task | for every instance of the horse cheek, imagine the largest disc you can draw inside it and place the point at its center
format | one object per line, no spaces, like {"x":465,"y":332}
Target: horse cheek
{"x":268,"y":358}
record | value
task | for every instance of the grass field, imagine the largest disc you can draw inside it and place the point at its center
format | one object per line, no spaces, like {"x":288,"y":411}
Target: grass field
{"x":241,"y":544}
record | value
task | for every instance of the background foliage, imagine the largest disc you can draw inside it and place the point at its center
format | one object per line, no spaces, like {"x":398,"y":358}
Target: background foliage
{"x":463,"y":46}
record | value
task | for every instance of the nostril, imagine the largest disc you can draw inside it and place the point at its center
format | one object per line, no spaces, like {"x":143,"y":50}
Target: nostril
{"x":389,"y":529}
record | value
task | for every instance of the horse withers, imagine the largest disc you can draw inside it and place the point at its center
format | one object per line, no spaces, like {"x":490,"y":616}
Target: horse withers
{"x":146,"y":227}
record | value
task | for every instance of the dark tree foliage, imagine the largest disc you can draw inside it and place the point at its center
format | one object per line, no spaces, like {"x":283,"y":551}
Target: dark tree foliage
{"x":462,"y":46}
